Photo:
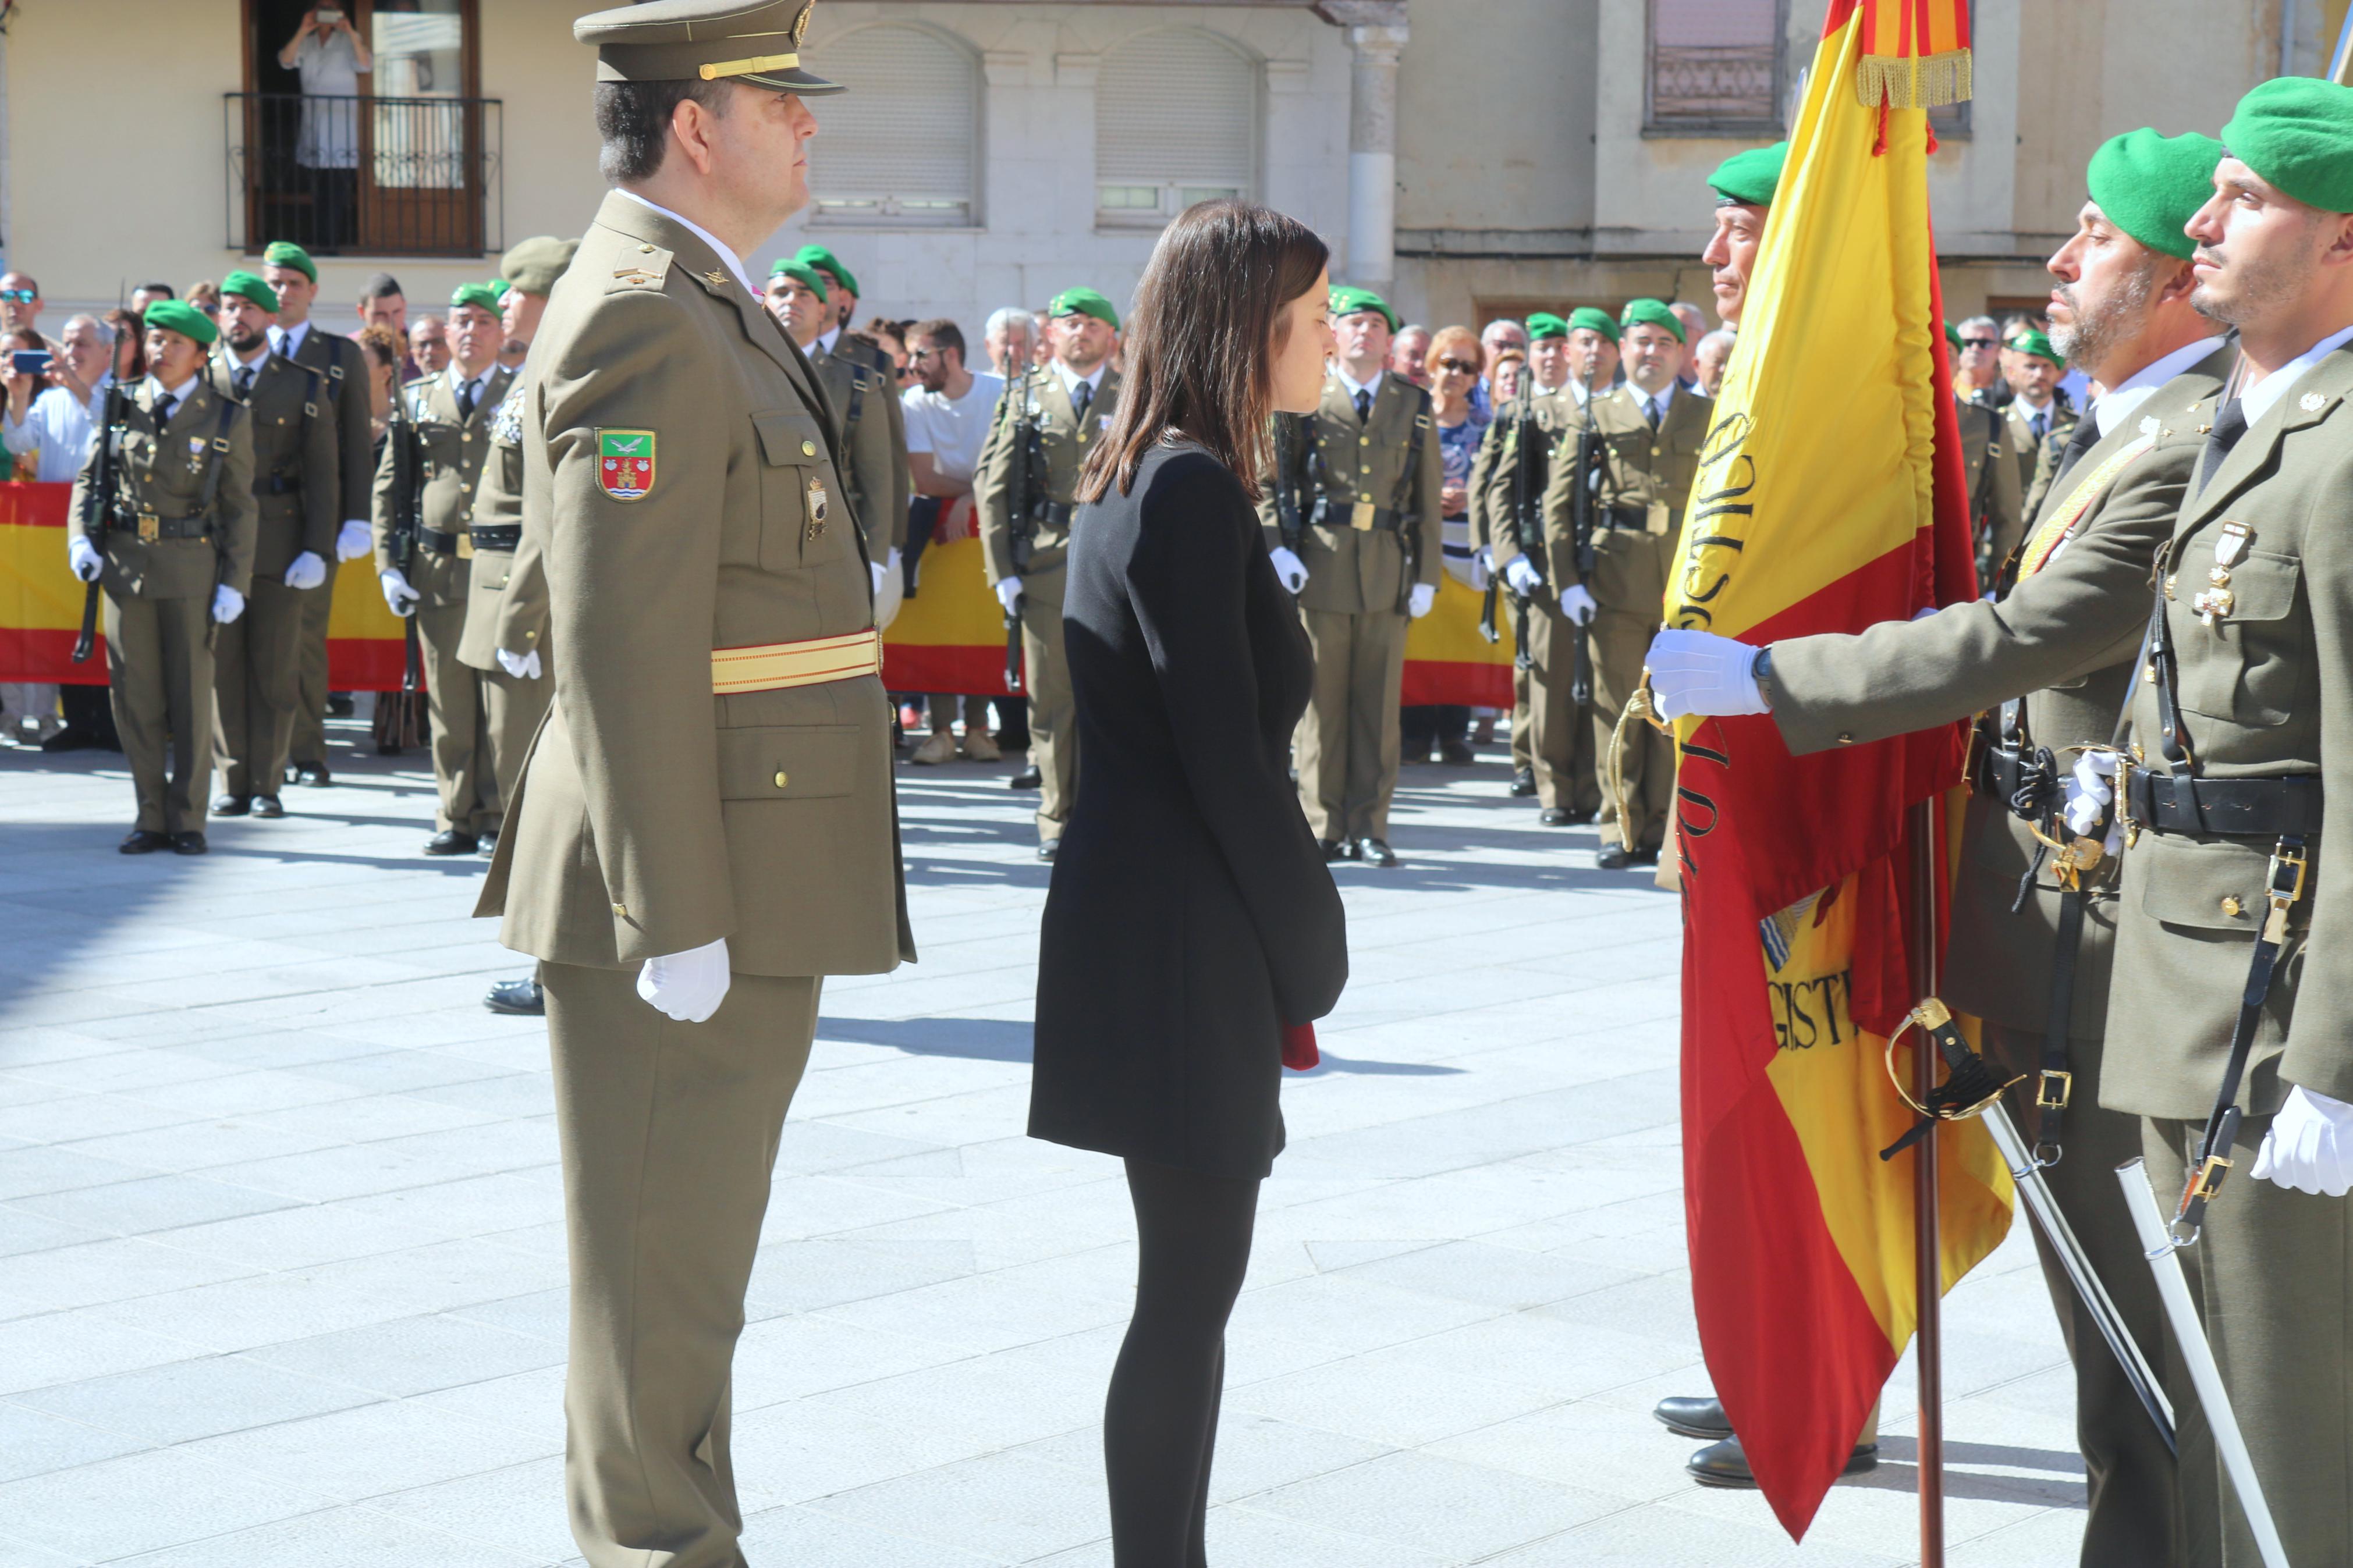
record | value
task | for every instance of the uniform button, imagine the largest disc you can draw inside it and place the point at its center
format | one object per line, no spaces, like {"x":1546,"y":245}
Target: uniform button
{"x":1364,"y":440}
{"x":808,"y":448}
{"x":1846,"y":738}
{"x":2232,"y":907}
{"x":1654,"y":451}
{"x":781,"y":778}
{"x":621,"y":910}
{"x":645,"y":249}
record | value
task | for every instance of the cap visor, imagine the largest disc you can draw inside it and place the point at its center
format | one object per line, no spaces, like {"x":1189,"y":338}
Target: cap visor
{"x":794,"y":81}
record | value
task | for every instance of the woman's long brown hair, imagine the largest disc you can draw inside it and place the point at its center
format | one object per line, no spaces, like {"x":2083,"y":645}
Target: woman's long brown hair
{"x":1200,"y":344}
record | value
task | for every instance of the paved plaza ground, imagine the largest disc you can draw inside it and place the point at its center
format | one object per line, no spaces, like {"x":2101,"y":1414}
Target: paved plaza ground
{"x":281,"y":1266}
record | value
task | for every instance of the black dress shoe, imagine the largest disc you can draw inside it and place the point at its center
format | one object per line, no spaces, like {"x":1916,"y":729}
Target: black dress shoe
{"x":1376,"y":852}
{"x":449,"y":841}
{"x":1553,"y":817}
{"x":519,"y":996}
{"x":1456,"y":754}
{"x":1613,"y":858}
{"x":1580,"y":818}
{"x":1649,"y":857}
{"x":232,"y":805}
{"x":188,"y":843}
{"x":1524,"y":782}
{"x":144,"y":842}
{"x":310,"y":773}
{"x":1027,"y":778}
{"x":1700,"y":1418}
{"x":1333,"y":848}
{"x":1724,"y":1465}
{"x":340,"y":705}
{"x":1046,"y":850}
{"x":268,"y":806}
{"x":71,"y":740}
{"x":490,"y":841}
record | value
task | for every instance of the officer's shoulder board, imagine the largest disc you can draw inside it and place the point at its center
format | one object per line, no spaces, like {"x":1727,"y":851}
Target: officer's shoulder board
{"x":642,"y":270}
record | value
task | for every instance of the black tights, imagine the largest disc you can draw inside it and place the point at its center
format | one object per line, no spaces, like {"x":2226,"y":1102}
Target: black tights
{"x":1160,"y":1422}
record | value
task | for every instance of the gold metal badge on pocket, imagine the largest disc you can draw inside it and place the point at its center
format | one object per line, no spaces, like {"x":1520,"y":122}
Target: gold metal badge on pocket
{"x":816,"y":511}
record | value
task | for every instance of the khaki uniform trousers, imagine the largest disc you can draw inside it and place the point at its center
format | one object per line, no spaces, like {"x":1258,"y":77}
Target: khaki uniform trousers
{"x":1524,"y":753}
{"x":2130,"y":1474}
{"x":1621,"y":643}
{"x":1053,"y":709}
{"x":511,"y":710}
{"x":1348,"y":741}
{"x":2273,"y":1279}
{"x":453,"y":697}
{"x":309,"y":741}
{"x":159,"y":676}
{"x":257,"y":683}
{"x":1560,"y":730}
{"x":668,"y":1134}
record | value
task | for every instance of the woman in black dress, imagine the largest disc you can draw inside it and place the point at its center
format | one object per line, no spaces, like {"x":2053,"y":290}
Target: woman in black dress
{"x":1191,"y":917}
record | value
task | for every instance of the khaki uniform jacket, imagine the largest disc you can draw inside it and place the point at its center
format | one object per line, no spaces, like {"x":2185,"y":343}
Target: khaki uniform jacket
{"x":1361,"y":571}
{"x":875,"y":464}
{"x":1495,"y":471}
{"x":2266,"y":690}
{"x":858,"y":352}
{"x":456,"y":450}
{"x":2063,"y":640}
{"x":344,"y":365}
{"x":493,"y":583}
{"x":296,"y":482}
{"x":652,"y":815}
{"x":1062,"y":448}
{"x":163,"y":472}
{"x":2023,"y":445}
{"x":1997,"y":501}
{"x":1647,"y":480}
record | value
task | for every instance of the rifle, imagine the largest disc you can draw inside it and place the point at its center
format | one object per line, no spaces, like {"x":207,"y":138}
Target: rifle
{"x":1487,"y":633}
{"x":407,"y":518}
{"x":1287,"y":522}
{"x":1527,"y":517}
{"x":1591,"y":456}
{"x":1408,"y":515}
{"x":1024,"y":523}
{"x":99,"y":504}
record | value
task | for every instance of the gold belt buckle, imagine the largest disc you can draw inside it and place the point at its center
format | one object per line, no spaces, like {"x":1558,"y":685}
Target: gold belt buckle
{"x":1360,"y":516}
{"x":2058,"y":1089}
{"x":150,"y":528}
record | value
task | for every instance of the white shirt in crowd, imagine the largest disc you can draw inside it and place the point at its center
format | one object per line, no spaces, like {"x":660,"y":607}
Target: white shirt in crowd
{"x":952,"y":429}
{"x":57,"y":427}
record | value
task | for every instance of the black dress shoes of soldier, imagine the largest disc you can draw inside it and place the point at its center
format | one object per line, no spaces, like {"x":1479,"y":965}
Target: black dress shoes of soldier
{"x":1724,"y":1465}
{"x":1618,"y":857}
{"x":489,"y":842}
{"x":1456,"y":754}
{"x":307,"y":773}
{"x":1553,"y":817}
{"x":188,"y":843}
{"x":70,"y":738}
{"x":1045,"y":852}
{"x":142,"y":842}
{"x":232,"y":805}
{"x":519,"y":996}
{"x":449,"y":841}
{"x":1700,"y":1418}
{"x":1337,"y":848}
{"x":268,"y":806}
{"x":1376,"y":851}
{"x":1524,"y":782}
{"x":1027,"y":778}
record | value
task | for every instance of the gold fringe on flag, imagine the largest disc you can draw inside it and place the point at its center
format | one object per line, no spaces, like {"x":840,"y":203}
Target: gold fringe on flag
{"x":1912,"y":81}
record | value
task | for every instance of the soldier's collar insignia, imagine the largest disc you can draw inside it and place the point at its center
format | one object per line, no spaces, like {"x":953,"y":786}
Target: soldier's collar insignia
{"x":715,"y":278}
{"x":625,"y":463}
{"x":2310,"y":402}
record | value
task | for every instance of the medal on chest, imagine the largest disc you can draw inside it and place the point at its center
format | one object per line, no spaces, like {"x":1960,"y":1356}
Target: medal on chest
{"x":2213,"y":602}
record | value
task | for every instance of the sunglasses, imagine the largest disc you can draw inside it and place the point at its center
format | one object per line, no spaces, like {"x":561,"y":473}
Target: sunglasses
{"x":18,"y":296}
{"x":1980,"y":343}
{"x":1459,"y":367}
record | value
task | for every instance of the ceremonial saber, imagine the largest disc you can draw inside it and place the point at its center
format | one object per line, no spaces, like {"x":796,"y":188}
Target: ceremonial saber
{"x":1928,"y":1251}
{"x":2044,"y":1207}
{"x":2199,"y":1355}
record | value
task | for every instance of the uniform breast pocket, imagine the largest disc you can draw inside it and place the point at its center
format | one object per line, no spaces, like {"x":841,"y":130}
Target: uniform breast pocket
{"x":788,"y":762}
{"x":443,"y":449}
{"x":2246,"y":666}
{"x":803,"y":520}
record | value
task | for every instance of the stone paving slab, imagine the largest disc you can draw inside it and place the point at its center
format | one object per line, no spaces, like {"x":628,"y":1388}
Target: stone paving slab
{"x":281,"y":1277}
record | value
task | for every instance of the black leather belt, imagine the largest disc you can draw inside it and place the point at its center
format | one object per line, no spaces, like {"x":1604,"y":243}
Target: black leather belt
{"x":498,"y":536}
{"x":1052,"y":513}
{"x":2227,"y":809}
{"x":1329,"y":513}
{"x":188,"y":525}
{"x":433,"y":538}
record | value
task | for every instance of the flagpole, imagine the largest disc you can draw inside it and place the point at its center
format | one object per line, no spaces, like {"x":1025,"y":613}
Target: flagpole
{"x":1928,"y":1280}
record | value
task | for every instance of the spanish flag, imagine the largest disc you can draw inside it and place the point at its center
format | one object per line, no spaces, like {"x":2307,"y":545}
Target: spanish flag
{"x":1828,"y":498}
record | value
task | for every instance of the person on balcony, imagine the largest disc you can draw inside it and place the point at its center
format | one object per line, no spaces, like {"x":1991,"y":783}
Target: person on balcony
{"x":329,"y":54}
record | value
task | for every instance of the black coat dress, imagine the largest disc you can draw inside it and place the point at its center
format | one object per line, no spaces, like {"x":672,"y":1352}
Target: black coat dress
{"x":1191,"y":914}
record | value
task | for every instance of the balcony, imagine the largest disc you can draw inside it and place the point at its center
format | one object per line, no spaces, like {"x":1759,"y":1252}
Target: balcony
{"x":365,"y":176}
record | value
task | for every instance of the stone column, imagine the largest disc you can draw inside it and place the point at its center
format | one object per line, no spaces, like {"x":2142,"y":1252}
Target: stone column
{"x":1376,"y":37}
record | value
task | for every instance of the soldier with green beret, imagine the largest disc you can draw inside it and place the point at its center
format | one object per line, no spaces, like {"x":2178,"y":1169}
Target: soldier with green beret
{"x":873,"y":468}
{"x":1744,"y":185}
{"x":1352,"y":515}
{"x":2049,"y":666}
{"x":1024,"y":483}
{"x":168,"y":537}
{"x":258,"y":658}
{"x":704,"y":828}
{"x":2040,"y":415}
{"x":450,"y":415}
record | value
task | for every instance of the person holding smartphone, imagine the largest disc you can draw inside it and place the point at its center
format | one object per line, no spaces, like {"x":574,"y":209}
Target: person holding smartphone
{"x":328,"y":53}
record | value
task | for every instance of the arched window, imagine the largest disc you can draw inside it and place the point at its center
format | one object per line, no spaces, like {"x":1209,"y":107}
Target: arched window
{"x":1177,"y":121}
{"x":902,"y":146}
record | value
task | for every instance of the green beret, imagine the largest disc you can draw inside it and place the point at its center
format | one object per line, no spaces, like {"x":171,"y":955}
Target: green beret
{"x":1545,"y":324}
{"x":533,"y":264}
{"x":478,"y":294}
{"x":286,"y":253}
{"x":2151,"y":186}
{"x":1347,"y":300}
{"x":252,"y":287}
{"x":1654,"y":312}
{"x":1750,"y":178}
{"x":2296,"y":132}
{"x":1586,"y":318}
{"x":2030,"y":341}
{"x":825,"y":260}
{"x":802,"y":273}
{"x":1083,"y":302}
{"x":1953,"y":336}
{"x":179,"y":316}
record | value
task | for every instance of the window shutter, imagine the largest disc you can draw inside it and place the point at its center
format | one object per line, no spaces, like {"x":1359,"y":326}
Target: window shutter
{"x":1177,"y":119}
{"x":899,"y":146}
{"x":1715,"y":62}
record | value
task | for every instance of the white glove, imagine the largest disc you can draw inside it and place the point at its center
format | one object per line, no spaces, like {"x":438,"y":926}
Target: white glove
{"x":1009,"y":594}
{"x":1289,"y":569}
{"x":1524,"y":577}
{"x":1578,"y":605}
{"x":1483,"y":569}
{"x":354,"y":539}
{"x":227,"y":604}
{"x":1418,"y":603}
{"x":883,"y":570}
{"x":398,"y":596}
{"x":306,"y":570}
{"x":1699,"y":672}
{"x":2089,"y":794}
{"x":521,"y":666}
{"x":83,"y":557}
{"x":2310,"y":1145}
{"x":689,"y":986}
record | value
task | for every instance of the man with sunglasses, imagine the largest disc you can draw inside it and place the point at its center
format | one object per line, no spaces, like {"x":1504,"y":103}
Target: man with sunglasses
{"x":1997,"y":496}
{"x":20,"y":306}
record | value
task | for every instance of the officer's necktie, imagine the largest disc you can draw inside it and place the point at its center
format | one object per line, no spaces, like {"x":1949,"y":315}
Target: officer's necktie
{"x":1082,"y":397}
{"x":163,"y":406}
{"x":2229,"y":426}
{"x":1650,"y":412}
{"x":1364,"y":406}
{"x":465,"y":401}
{"x":243,"y":379}
{"x":2040,"y":425}
{"x":2086,"y":437}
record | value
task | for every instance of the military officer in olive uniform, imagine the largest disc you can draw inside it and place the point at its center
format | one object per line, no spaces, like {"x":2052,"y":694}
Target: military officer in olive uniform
{"x":256,"y":659}
{"x":874,"y":469}
{"x":170,"y":543}
{"x":1560,"y":734}
{"x":289,"y":270}
{"x":1369,"y":470}
{"x":2051,"y":664}
{"x":1652,"y":430}
{"x":2032,"y":429}
{"x":842,"y":304}
{"x":452,"y":413}
{"x":1046,"y":423}
{"x":704,"y":828}
{"x":2245,"y":730}
{"x":1990,"y":474}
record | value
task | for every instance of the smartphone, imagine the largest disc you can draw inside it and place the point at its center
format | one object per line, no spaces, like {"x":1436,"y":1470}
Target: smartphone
{"x":30,"y":362}
{"x":328,"y":15}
